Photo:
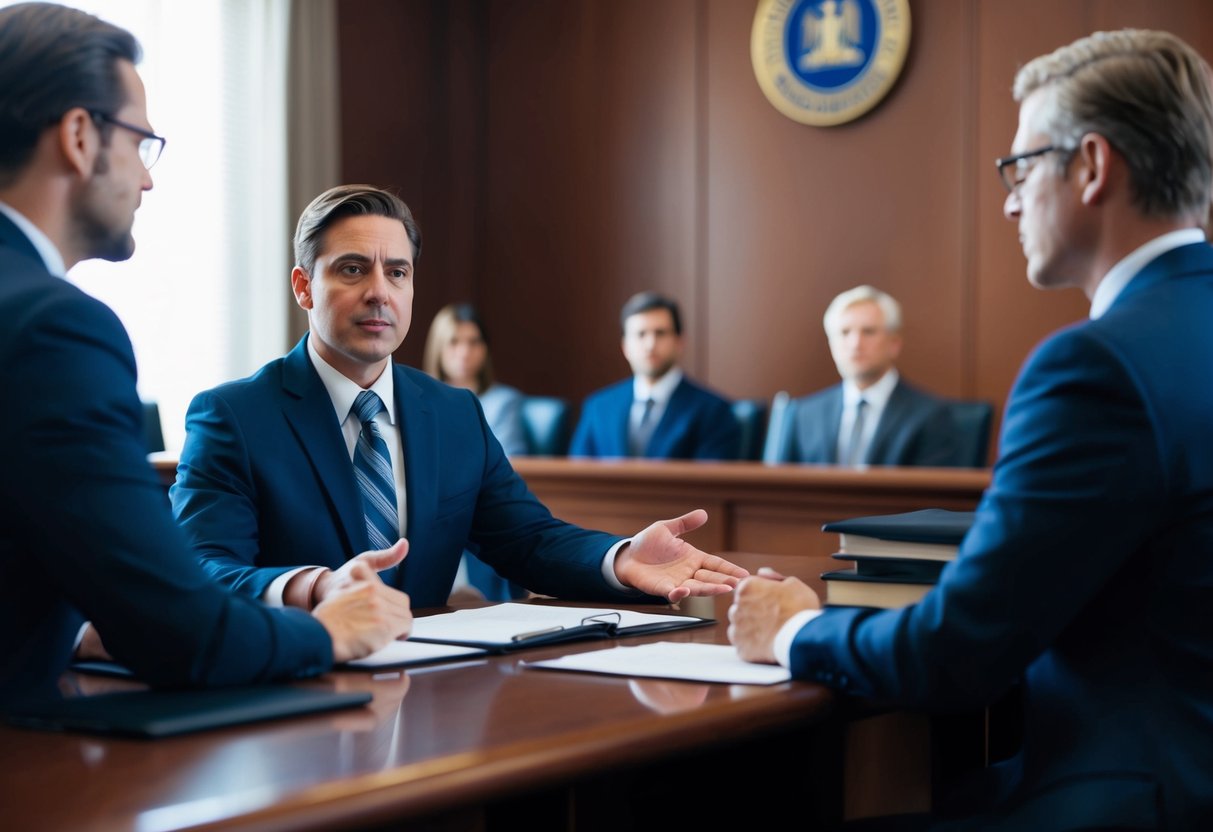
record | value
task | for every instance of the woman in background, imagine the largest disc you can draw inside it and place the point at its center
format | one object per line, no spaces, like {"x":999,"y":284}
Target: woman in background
{"x":457,"y":352}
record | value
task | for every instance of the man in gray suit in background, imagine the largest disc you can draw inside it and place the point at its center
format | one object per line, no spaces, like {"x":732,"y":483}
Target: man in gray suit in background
{"x":873,"y":417}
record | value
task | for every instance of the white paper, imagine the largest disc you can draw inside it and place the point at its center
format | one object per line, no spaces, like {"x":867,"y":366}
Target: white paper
{"x":501,"y":623}
{"x":672,"y":660}
{"x":400,"y":653}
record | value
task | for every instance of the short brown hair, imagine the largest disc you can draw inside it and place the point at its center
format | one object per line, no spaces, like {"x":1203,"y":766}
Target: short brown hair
{"x":349,"y":201}
{"x":53,"y":58}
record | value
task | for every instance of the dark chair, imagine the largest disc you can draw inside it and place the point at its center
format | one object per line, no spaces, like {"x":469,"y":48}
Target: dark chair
{"x":974,"y":420}
{"x":546,"y":420}
{"x":153,"y":435}
{"x":751,"y":417}
{"x":779,"y":421}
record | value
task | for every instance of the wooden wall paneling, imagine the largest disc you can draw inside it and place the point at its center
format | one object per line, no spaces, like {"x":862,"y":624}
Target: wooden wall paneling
{"x":800,"y":213}
{"x":591,"y":181}
{"x":412,"y":121}
{"x":561,"y":156}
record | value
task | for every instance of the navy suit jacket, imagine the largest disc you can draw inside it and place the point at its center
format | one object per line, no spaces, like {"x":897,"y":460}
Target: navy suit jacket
{"x":696,"y":424}
{"x":1088,"y":574}
{"x":916,"y":428}
{"x":265,"y":484}
{"x":85,"y":531}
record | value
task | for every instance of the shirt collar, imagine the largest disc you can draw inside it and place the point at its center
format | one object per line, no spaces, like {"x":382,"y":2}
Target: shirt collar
{"x":1118,"y":276}
{"x":660,"y":390}
{"x":877,"y":396}
{"x":50,"y":255}
{"x":343,"y":391}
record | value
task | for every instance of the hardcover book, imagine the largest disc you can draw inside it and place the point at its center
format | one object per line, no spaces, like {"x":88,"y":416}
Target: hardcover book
{"x":848,"y":588}
{"x":928,"y":534}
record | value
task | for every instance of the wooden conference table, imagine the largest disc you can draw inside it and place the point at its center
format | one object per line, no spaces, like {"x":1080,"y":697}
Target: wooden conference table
{"x":483,"y":744}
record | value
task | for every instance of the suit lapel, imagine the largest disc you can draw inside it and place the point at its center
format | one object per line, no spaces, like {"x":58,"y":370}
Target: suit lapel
{"x":895,"y":415}
{"x":308,"y":410}
{"x":619,"y":419}
{"x":677,"y":404}
{"x":833,"y":423}
{"x":418,"y":432}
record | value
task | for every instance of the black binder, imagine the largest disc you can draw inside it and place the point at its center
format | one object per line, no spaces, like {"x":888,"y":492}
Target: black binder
{"x":163,"y":713}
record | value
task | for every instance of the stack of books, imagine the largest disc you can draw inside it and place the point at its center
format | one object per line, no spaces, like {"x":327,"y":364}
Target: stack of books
{"x":896,"y":558}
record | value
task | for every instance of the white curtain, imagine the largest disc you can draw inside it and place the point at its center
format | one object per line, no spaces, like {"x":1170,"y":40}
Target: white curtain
{"x":313,"y":115}
{"x":205,"y":298}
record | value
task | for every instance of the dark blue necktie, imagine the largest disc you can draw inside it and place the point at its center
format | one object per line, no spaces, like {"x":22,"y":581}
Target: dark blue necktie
{"x":376,"y":480}
{"x":639,"y":441}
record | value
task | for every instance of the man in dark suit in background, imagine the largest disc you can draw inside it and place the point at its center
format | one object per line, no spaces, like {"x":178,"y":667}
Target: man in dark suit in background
{"x":271,"y":483}
{"x":84,"y":531}
{"x":659,"y":413}
{"x":1088,"y":572}
{"x":873,"y":417}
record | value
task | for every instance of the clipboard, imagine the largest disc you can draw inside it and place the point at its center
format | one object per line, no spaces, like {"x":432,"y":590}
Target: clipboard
{"x":504,"y":628}
{"x":148,"y":714}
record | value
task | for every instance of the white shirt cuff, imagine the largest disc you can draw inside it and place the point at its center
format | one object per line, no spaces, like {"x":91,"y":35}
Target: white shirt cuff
{"x":80,"y":636}
{"x":273,"y":593}
{"x":608,"y":567}
{"x":787,"y":634}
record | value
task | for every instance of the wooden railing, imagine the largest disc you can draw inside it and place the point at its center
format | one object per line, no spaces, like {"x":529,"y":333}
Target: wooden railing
{"x":752,"y":507}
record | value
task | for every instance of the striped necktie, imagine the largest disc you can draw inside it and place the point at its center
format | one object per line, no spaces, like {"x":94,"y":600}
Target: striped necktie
{"x":376,"y":480}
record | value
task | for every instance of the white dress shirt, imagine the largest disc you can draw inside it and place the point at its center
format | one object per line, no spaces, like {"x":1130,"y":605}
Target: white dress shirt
{"x":877,"y":397}
{"x":659,"y":391}
{"x":342,"y":392}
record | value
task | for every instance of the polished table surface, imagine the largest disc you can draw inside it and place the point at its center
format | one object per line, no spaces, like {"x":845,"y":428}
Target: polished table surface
{"x":435,"y":740}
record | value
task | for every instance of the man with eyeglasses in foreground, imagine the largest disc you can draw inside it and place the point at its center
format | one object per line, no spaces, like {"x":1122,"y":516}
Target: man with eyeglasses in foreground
{"x":1088,"y":574}
{"x":84,"y":528}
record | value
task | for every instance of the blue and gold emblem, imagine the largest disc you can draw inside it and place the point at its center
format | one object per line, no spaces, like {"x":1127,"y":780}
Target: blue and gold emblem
{"x":826,"y":62}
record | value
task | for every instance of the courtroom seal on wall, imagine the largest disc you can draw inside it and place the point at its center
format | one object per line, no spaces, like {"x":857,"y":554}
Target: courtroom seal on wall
{"x":827,"y":62}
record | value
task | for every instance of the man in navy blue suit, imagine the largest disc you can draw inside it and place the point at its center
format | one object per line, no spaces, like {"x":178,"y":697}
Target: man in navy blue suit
{"x":84,"y":532}
{"x":268,"y":485}
{"x":1088,"y":573}
{"x":659,"y":413}
{"x":874,"y":417}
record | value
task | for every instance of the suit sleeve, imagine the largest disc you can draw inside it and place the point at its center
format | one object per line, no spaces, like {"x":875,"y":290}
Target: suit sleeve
{"x":937,"y":440}
{"x":721,"y":434}
{"x":582,"y":443}
{"x":215,"y":500}
{"x":1078,"y":450}
{"x":99,"y":528}
{"x":518,"y":536}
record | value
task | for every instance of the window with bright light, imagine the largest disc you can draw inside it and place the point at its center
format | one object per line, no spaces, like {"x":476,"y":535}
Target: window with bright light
{"x":206,"y":294}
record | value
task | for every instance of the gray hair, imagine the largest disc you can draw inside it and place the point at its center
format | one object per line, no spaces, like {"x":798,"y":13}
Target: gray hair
{"x":863,"y":294}
{"x":1148,"y":94}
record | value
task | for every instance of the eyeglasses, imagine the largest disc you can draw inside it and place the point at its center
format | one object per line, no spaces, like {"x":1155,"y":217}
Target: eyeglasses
{"x":150,"y":146}
{"x":1013,"y":170}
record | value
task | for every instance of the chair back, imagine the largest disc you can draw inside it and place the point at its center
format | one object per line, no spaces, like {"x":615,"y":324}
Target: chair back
{"x":751,"y":415}
{"x":153,"y":434}
{"x":546,"y":420}
{"x":974,"y":420}
{"x":779,"y":422}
